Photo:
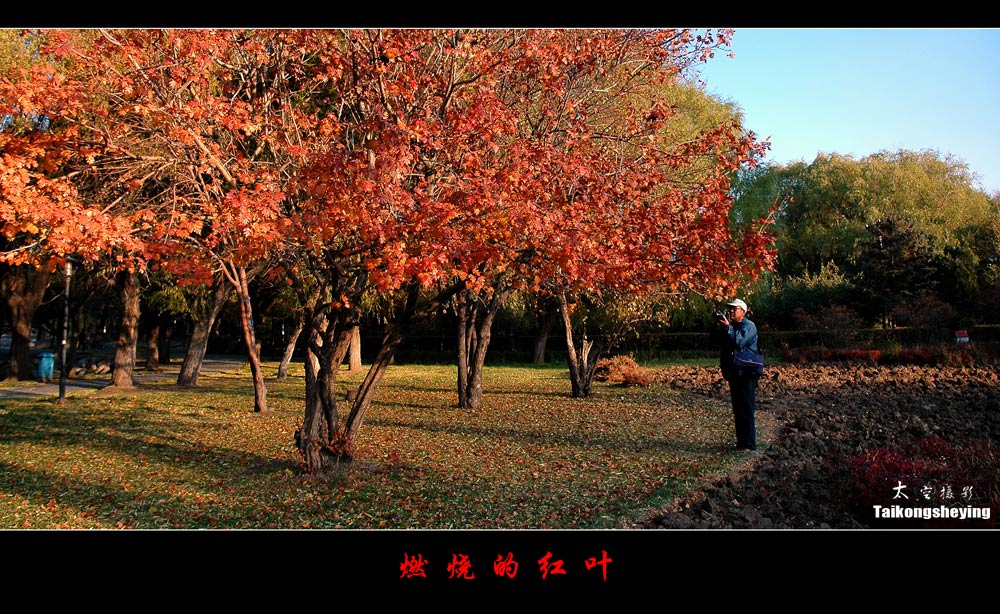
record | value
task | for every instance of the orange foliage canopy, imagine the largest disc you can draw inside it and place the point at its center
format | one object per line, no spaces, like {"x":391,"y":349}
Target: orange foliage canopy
{"x":42,"y":217}
{"x":415,"y":155}
{"x":527,"y":153}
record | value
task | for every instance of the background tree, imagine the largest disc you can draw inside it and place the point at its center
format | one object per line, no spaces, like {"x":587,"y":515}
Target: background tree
{"x":825,"y":209}
{"x":794,"y":302}
{"x":897,"y":265}
{"x":199,"y":119}
{"x":658,"y":215}
{"x":163,"y":300}
{"x":43,"y":218}
{"x":204,"y":304}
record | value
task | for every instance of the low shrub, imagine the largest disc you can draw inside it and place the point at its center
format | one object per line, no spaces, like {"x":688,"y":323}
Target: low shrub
{"x":940,"y":355}
{"x":622,"y":370}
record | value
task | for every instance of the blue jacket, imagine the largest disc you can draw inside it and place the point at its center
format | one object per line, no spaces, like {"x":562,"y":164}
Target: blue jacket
{"x":736,"y":336}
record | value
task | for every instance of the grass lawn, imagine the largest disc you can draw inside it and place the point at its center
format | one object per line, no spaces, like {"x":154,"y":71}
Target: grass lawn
{"x":530,"y":457}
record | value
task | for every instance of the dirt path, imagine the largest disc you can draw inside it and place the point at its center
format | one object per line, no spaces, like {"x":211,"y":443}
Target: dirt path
{"x":168,"y":372}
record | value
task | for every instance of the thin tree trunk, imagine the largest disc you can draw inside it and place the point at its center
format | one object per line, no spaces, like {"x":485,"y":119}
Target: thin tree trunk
{"x":166,"y":331}
{"x":474,"y":396}
{"x":354,"y":358}
{"x":366,"y":392}
{"x":249,"y":339}
{"x":286,"y":358}
{"x":464,"y":312}
{"x":571,"y":357}
{"x":583,"y":360}
{"x":153,"y":348}
{"x":24,"y":288}
{"x":203,"y":321}
{"x":542,"y":339}
{"x":128,"y":335}
{"x":409,"y":315}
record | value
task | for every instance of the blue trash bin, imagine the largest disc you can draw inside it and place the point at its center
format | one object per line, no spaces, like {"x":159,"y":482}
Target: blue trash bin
{"x":46,"y":365}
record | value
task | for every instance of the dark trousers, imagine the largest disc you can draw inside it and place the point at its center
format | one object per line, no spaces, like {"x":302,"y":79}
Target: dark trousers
{"x":743,"y":391}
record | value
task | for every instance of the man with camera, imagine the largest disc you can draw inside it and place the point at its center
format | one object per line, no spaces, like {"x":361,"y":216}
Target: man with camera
{"x":735,"y":332}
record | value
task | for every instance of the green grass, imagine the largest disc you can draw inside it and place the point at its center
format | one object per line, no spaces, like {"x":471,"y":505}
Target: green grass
{"x":660,"y":363}
{"x":530,"y":457}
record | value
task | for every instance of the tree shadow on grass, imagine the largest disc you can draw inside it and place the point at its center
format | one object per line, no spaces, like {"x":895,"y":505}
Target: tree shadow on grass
{"x":487,"y":392}
{"x":146,"y":447}
{"x":409,"y":387}
{"x":115,"y":507}
{"x":144,"y":438}
{"x":385,"y":404}
{"x":585,"y":441}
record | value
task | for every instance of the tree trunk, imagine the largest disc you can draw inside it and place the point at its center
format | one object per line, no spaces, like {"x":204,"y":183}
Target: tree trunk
{"x":341,"y":447}
{"x":318,"y":440}
{"x":203,"y":319}
{"x":166,"y":331}
{"x":366,"y":392}
{"x":24,"y":288}
{"x":354,"y":359}
{"x":313,"y":436}
{"x":473,"y":341}
{"x":153,"y":348}
{"x":583,"y":360}
{"x":128,"y":336}
{"x":286,"y":358}
{"x":239,"y":274}
{"x":466,"y":328}
{"x":542,"y":339}
{"x":409,"y":315}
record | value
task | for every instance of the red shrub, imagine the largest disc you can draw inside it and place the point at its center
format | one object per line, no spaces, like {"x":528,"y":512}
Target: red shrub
{"x":935,"y":473}
{"x":803,"y":355}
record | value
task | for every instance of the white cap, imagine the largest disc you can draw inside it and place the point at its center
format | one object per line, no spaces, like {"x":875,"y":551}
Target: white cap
{"x":738,"y":303}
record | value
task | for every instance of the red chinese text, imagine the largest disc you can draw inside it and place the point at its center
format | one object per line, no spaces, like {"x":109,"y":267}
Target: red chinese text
{"x":505,"y":567}
{"x":592,"y":562}
{"x":460,"y":567}
{"x":555,"y":567}
{"x":412,"y":566}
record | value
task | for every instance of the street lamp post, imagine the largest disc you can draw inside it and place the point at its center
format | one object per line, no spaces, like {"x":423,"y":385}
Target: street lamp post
{"x":67,"y":274}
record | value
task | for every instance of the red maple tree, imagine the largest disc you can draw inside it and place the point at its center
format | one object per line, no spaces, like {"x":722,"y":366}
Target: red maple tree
{"x":462,"y":164}
{"x":194,"y":128}
{"x":43,"y":218}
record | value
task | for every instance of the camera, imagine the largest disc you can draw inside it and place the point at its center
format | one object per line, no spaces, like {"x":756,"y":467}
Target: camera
{"x":719,"y":315}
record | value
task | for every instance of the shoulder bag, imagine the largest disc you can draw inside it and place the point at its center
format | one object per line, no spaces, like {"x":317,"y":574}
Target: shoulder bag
{"x":748,"y":361}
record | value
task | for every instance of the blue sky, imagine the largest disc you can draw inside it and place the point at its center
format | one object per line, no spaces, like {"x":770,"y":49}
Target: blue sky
{"x":860,"y":91}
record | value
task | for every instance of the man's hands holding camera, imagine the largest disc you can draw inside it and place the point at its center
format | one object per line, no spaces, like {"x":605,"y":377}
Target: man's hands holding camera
{"x":721,"y":318}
